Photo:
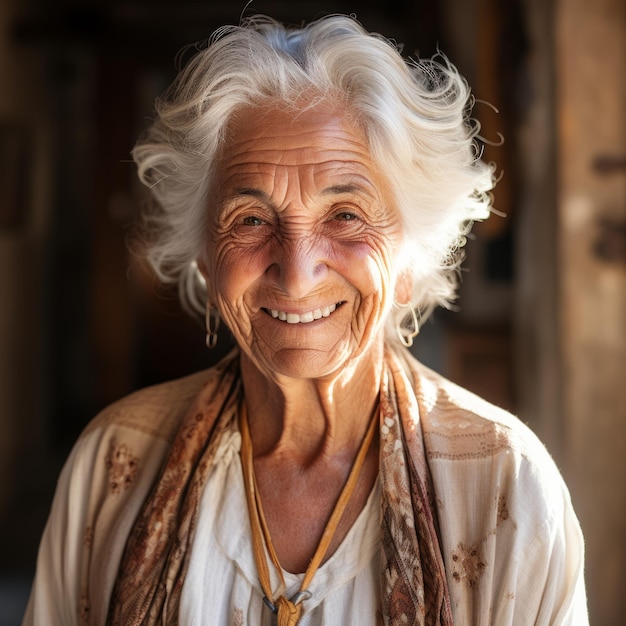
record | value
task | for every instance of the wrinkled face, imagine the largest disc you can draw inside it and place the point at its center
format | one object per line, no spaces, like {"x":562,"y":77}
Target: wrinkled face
{"x":302,"y":241}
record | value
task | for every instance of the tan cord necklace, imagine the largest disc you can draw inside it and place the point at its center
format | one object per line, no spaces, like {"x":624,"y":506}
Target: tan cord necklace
{"x":289,"y":611}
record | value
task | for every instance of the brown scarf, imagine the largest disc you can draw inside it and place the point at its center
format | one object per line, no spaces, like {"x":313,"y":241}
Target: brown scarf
{"x":152,"y":571}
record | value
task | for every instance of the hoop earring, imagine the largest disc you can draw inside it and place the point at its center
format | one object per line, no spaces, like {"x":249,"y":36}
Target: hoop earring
{"x":212,"y":326}
{"x":410,"y":331}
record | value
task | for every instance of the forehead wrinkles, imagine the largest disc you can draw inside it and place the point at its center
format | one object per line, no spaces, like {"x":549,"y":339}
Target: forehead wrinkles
{"x":235,"y":175}
{"x":285,"y":184}
{"x":261,"y":131}
{"x":280,"y":154}
{"x":288,"y":152}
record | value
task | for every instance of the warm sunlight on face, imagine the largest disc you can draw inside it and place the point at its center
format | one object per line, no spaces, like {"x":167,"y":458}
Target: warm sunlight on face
{"x":303,"y":237}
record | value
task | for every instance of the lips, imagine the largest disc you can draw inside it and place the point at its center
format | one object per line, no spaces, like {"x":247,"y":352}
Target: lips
{"x":302,"y":318}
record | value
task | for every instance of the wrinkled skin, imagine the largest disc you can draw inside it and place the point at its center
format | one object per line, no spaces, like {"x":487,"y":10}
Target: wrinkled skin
{"x":301,"y":220}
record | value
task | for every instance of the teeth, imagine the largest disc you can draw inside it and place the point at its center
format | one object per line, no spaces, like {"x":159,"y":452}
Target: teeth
{"x":305,"y":318}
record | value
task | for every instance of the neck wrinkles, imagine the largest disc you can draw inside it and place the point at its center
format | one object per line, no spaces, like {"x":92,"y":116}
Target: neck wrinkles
{"x":309,"y":420}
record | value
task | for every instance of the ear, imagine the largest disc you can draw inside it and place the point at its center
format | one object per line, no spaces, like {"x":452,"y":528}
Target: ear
{"x":404,"y":287}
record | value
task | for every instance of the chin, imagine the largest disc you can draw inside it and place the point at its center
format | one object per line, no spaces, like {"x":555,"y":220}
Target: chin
{"x":304,"y":363}
{"x":307,"y":363}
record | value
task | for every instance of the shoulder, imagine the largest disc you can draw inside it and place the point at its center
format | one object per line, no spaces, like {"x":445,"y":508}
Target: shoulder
{"x":127,"y":442}
{"x":120,"y":451}
{"x":483,"y":450}
{"x":106,"y":479}
{"x":504,"y":511}
{"x":154,"y":411}
{"x":491,"y":474}
{"x":459,"y":425}
{"x":158,"y":410}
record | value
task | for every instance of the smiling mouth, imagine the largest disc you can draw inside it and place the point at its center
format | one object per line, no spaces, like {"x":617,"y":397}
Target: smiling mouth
{"x":303,"y":318}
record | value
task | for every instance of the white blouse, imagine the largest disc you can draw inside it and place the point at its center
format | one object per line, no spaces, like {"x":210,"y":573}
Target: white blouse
{"x":510,"y":540}
{"x":222,"y":587}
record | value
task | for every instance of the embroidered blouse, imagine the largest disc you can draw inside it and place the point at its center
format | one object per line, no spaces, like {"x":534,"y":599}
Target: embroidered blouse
{"x":509,"y":538}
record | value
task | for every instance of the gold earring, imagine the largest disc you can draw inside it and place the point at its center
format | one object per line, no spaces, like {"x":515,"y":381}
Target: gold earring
{"x":212,"y":326}
{"x":408,"y":332}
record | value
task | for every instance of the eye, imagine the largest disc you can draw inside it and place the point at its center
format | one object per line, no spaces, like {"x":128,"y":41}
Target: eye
{"x":252,"y":220}
{"x":346,"y":216}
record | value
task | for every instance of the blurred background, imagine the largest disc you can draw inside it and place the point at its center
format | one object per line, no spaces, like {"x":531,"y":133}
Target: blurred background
{"x":541,"y":322}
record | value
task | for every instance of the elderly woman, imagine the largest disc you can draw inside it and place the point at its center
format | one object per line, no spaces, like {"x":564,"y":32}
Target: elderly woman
{"x":312,"y":190}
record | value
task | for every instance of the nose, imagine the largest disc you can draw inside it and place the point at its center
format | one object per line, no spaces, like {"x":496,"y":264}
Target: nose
{"x":299,"y":266}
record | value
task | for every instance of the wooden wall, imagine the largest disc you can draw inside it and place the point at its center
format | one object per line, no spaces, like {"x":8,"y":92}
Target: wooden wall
{"x":571,"y":288}
{"x":590,"y":56}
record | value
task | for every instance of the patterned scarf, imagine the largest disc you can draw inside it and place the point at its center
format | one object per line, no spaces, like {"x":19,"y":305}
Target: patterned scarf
{"x":414,"y":589}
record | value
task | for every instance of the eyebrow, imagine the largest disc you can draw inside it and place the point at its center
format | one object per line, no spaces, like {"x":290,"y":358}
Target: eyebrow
{"x":333,"y":190}
{"x":339,"y":189}
{"x":252,"y":191}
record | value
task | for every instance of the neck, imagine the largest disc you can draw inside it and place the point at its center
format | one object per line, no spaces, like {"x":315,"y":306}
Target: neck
{"x":307,"y":420}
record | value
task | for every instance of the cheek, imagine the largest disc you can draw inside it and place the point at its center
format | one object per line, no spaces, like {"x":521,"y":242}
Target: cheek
{"x":232,"y":274}
{"x":236,"y":268}
{"x":369,"y":267}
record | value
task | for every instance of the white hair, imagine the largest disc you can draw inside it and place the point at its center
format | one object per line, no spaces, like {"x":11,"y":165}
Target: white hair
{"x":416,"y":114}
